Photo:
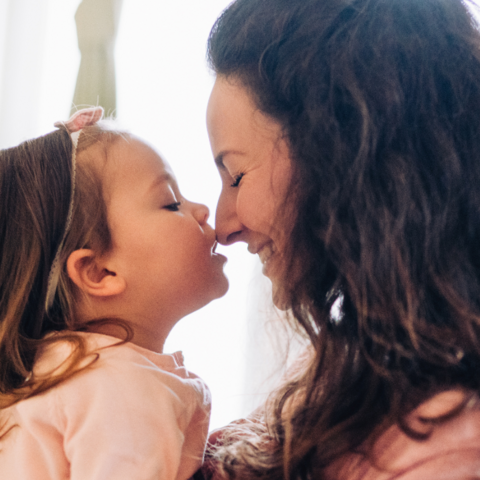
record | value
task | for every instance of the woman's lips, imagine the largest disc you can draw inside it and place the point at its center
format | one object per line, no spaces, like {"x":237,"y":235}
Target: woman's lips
{"x":266,"y":253}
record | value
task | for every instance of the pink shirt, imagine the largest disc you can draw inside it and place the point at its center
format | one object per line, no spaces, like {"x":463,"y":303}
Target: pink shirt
{"x":134,"y":414}
{"x":452,"y":452}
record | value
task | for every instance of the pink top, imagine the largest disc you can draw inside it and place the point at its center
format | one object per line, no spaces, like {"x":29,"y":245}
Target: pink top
{"x":452,"y":452}
{"x":134,"y":414}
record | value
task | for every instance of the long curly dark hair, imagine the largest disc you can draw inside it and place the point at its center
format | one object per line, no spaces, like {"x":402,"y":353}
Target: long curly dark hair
{"x":380,"y":103}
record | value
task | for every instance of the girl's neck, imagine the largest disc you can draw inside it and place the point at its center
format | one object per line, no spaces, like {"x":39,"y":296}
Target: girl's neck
{"x":124,"y":330}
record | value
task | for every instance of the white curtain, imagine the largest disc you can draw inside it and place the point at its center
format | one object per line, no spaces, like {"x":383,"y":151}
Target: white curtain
{"x":38,"y":65}
{"x":97,"y":25}
{"x":22,"y":42}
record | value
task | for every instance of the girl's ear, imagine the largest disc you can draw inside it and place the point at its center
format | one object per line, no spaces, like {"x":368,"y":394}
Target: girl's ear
{"x":90,"y":276}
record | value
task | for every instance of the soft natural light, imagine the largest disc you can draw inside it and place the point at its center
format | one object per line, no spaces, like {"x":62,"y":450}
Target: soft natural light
{"x":163,"y":85}
{"x":163,"y":89}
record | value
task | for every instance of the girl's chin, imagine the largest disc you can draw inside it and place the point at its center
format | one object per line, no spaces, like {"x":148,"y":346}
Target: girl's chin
{"x":223,"y":286}
{"x":217,"y":288}
{"x":220,"y":287}
{"x":220,"y":283}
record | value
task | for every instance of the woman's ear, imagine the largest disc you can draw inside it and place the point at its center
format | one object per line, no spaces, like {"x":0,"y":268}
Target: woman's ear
{"x":89,"y":275}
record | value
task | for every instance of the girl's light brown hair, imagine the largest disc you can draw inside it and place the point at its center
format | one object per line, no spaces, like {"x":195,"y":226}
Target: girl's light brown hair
{"x":35,"y":189}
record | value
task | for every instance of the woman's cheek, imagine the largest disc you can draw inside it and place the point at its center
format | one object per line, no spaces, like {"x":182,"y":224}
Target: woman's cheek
{"x":254,"y":210}
{"x":247,"y":214}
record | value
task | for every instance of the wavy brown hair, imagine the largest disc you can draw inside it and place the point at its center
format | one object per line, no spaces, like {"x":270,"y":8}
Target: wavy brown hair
{"x":35,"y":189}
{"x":380,"y":103}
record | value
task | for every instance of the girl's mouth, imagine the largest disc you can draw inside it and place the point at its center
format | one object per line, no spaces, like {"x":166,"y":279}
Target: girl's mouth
{"x":214,"y":247}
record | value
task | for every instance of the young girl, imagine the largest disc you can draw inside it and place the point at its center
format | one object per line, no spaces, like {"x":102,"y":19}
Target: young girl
{"x":101,"y":256}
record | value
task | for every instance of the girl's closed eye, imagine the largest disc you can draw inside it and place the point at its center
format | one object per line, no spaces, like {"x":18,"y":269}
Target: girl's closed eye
{"x":173,"y":207}
{"x":237,"y":179}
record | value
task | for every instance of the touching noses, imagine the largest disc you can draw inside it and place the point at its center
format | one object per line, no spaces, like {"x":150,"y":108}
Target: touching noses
{"x":228,"y":227}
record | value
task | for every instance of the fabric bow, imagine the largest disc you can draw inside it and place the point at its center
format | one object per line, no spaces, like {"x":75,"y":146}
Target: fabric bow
{"x":81,"y":119}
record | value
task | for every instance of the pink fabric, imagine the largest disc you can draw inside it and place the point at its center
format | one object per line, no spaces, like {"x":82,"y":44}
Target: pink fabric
{"x":81,"y":119}
{"x":133,"y":415}
{"x":452,"y":452}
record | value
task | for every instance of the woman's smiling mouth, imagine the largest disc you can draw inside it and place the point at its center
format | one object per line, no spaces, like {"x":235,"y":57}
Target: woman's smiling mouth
{"x":266,"y":252}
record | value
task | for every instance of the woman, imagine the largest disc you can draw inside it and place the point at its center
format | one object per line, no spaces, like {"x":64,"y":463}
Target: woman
{"x":347,"y":136}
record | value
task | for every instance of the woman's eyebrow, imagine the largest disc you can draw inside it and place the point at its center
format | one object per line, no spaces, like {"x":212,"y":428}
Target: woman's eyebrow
{"x":219,"y":160}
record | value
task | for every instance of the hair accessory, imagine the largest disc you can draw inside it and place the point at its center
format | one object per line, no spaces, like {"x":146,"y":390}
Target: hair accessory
{"x":79,"y":120}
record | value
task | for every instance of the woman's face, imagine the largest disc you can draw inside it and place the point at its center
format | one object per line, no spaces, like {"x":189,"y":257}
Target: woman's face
{"x":254,"y":164}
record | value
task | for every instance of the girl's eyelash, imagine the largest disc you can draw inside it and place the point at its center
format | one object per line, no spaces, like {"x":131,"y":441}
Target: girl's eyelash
{"x":236,"y":180}
{"x":173,"y":207}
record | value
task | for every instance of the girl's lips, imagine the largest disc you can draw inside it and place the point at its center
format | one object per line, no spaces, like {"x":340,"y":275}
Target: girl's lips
{"x":215,"y":254}
{"x":214,"y":247}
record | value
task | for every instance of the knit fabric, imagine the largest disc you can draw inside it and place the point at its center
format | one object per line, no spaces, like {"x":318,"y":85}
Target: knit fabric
{"x":133,"y":414}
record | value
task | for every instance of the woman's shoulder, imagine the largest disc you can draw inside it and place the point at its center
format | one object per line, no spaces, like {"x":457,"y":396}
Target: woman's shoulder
{"x":450,"y":449}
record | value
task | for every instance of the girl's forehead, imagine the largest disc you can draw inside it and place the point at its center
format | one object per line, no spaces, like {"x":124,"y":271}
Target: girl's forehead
{"x":132,"y":158}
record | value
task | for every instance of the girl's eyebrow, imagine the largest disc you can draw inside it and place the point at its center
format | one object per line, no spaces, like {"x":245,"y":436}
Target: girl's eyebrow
{"x":160,"y":179}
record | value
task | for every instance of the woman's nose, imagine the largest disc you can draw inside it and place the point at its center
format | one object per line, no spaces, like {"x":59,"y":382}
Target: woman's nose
{"x":228,"y":227}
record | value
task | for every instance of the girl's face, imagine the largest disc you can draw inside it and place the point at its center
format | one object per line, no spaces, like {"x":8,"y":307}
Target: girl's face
{"x":255,"y":168}
{"x":162,"y":244}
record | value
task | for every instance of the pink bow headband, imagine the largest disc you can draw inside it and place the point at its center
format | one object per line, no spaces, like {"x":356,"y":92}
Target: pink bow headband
{"x":79,"y":120}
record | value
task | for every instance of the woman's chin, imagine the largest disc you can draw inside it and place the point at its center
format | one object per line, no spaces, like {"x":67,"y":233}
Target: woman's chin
{"x":280,"y":296}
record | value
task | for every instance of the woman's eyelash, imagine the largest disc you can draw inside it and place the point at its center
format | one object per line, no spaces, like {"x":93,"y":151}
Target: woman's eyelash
{"x":173,"y":207}
{"x":236,"y":180}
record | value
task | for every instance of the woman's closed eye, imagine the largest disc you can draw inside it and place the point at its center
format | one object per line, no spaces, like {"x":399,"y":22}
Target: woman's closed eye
{"x":237,"y":179}
{"x":173,"y":207}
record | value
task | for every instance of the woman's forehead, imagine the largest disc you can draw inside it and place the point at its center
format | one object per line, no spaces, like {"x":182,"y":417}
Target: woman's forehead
{"x":228,"y":96}
{"x":232,"y":115}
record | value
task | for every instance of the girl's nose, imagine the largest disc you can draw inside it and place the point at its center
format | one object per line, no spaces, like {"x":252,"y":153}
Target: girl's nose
{"x":200,"y":212}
